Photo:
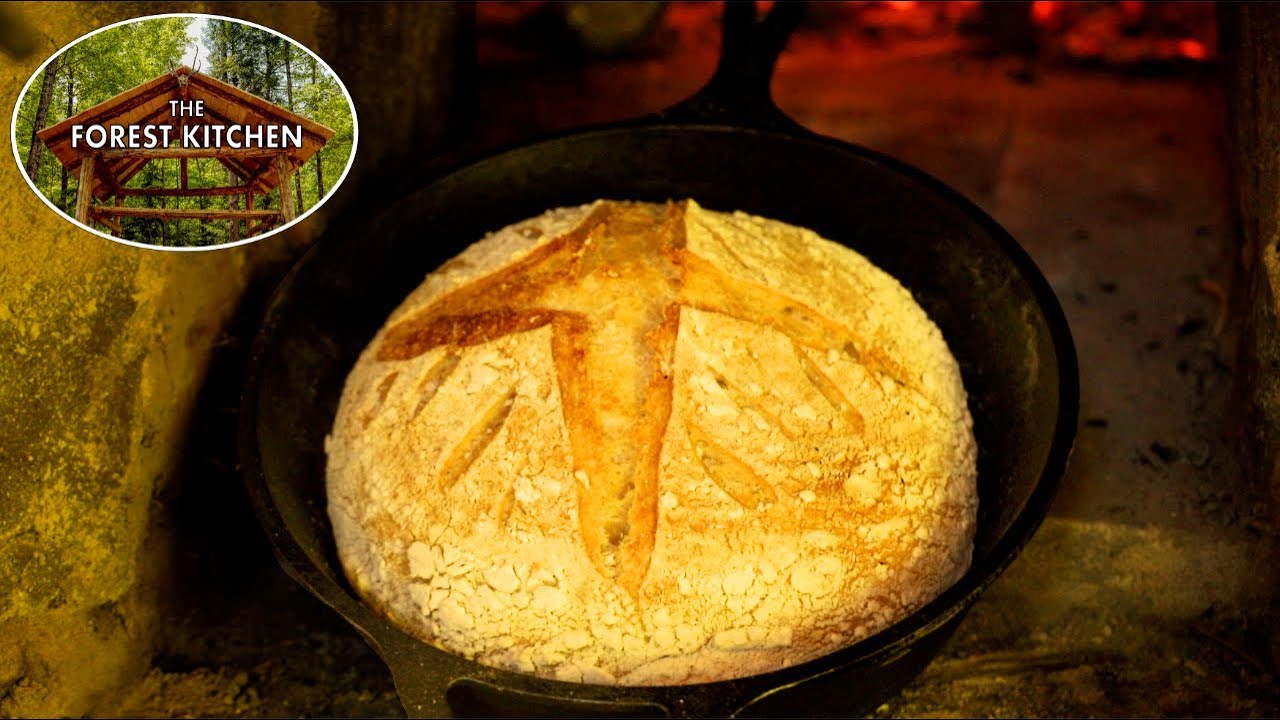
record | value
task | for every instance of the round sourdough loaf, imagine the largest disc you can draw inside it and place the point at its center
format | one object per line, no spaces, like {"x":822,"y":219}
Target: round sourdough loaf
{"x":652,"y":444}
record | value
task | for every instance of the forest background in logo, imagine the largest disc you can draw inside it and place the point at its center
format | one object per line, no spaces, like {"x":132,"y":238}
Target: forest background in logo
{"x":171,"y":194}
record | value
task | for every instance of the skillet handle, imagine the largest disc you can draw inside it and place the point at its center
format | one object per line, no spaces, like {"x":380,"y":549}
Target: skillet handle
{"x":738,"y":92}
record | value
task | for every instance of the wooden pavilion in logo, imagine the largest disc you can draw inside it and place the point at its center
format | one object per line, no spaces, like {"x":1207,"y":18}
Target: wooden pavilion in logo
{"x":104,"y":173}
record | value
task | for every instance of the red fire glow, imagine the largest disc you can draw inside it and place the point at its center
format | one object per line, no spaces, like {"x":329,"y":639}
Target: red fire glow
{"x":1192,"y":49}
{"x":1043,"y":11}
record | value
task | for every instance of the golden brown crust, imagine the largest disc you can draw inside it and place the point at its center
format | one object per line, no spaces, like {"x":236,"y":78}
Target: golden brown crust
{"x":633,"y":246}
{"x":640,"y":443}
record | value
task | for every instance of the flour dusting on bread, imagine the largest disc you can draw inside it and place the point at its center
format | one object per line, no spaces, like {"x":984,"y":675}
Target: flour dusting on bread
{"x":653,"y":444}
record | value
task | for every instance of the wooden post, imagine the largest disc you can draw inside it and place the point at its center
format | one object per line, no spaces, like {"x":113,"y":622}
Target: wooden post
{"x":248,"y":200}
{"x":182,"y":163}
{"x":105,"y":171}
{"x":284,"y":180}
{"x":85,"y":192}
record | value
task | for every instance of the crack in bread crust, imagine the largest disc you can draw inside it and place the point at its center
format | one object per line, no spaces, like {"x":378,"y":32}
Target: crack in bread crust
{"x":612,"y":290}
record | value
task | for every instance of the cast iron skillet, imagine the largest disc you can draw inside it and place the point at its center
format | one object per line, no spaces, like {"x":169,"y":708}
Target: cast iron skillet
{"x":729,"y":148}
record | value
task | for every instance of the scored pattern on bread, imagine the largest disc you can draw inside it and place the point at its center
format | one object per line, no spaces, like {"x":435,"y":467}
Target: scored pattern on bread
{"x":644,"y":444}
{"x":476,"y":439}
{"x":631,"y":259}
{"x":432,"y":380}
{"x":744,"y":401}
{"x":829,"y":390}
{"x":734,"y":476}
{"x":706,"y":287}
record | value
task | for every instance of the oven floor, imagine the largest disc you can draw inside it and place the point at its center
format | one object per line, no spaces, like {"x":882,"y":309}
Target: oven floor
{"x":1146,"y":590}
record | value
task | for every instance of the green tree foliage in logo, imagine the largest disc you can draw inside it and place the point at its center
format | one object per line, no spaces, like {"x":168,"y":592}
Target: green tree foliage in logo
{"x":94,"y":69}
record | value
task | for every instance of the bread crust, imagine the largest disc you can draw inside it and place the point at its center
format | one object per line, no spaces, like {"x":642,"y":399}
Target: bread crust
{"x":645,"y":444}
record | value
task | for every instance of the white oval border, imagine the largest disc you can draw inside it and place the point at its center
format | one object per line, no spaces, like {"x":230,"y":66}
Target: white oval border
{"x":355,"y":136}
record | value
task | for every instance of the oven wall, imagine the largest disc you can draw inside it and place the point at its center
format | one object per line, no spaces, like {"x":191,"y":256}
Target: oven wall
{"x":104,"y":348}
{"x":1251,"y":45}
{"x":1251,"y":76}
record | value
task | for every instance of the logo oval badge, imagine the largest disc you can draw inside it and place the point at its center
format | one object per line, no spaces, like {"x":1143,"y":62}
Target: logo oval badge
{"x":184,"y":131}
